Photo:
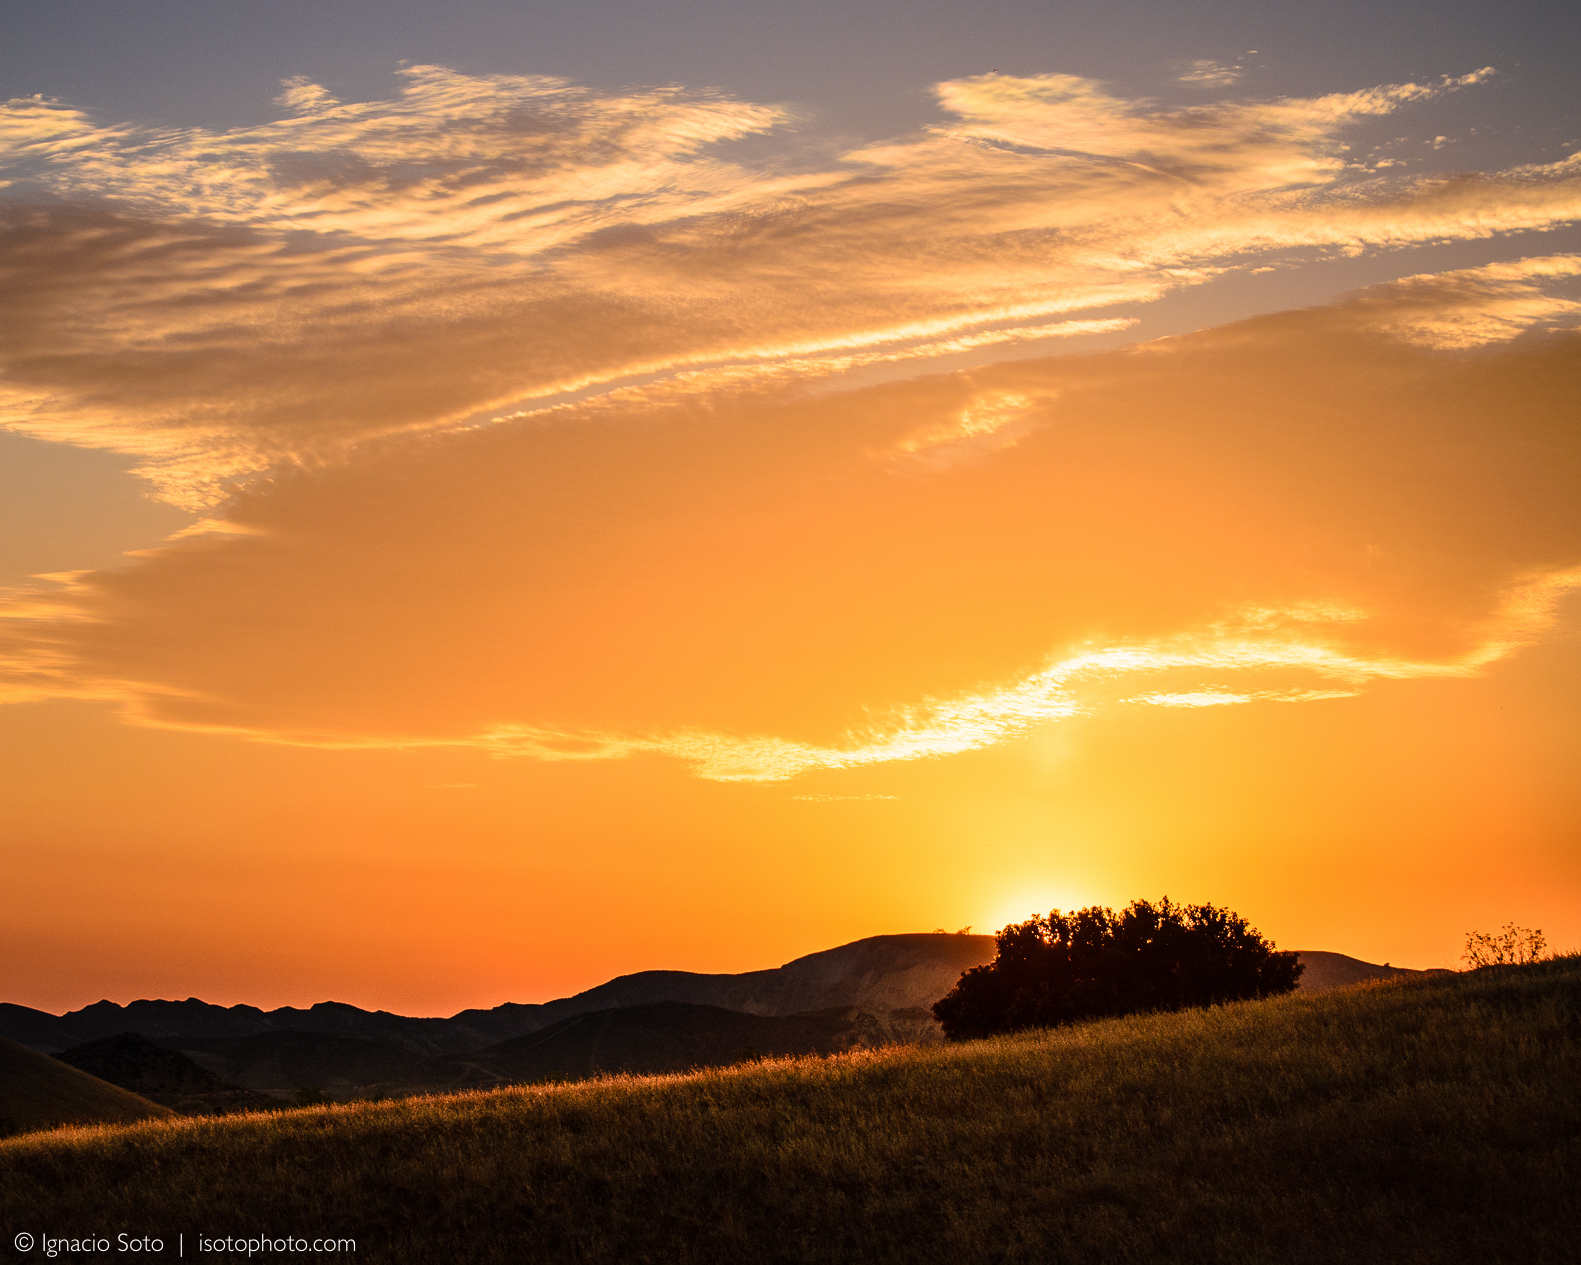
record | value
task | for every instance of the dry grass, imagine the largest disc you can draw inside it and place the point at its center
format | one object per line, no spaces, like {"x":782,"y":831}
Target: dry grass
{"x":1433,"y":1120}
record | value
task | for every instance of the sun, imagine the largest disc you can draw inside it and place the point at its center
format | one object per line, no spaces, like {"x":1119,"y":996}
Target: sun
{"x":1034,"y":900}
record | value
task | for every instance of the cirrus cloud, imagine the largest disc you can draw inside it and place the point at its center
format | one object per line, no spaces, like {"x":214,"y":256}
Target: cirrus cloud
{"x":764,"y":582}
{"x":226,"y":303}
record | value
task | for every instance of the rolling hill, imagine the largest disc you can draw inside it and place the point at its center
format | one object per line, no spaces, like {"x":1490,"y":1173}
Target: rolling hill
{"x":885,"y":985}
{"x":280,"y":1064}
{"x":38,"y":1092}
{"x":166,"y":1077}
{"x":669,"y":1037}
{"x":1430,"y":1119}
{"x":879,"y":974}
{"x":1334,"y":970}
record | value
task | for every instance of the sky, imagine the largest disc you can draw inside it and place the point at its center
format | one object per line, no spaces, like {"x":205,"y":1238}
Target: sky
{"x":496,"y":496}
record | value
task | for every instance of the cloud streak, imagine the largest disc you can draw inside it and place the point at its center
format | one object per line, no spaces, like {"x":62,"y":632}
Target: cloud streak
{"x":763,"y":582}
{"x":225,"y":304}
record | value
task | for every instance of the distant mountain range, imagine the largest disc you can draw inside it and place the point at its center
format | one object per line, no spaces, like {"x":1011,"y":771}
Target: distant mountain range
{"x":878,"y":974}
{"x":871,"y":992}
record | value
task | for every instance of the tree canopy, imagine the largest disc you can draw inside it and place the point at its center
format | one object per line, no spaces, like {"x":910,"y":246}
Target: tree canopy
{"x":1095,"y":963}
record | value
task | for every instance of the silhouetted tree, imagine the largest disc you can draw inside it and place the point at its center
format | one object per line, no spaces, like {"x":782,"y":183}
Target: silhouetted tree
{"x":1094,"y":962}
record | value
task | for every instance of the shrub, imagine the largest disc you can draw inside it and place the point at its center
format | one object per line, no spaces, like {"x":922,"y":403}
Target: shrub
{"x":1514,"y":946}
{"x":1095,"y":963}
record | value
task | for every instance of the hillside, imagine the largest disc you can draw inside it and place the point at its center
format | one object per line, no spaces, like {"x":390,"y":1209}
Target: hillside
{"x":885,"y":981}
{"x":281,"y":1063}
{"x":880,"y":973}
{"x":38,"y":1092}
{"x":668,"y":1037}
{"x":163,"y":1076}
{"x":1335,"y":970}
{"x":1433,"y":1119}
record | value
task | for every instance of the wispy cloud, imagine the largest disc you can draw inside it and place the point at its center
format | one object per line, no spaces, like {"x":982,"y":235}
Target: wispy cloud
{"x":763,"y":582}
{"x":1207,"y":73}
{"x":1474,"y":307}
{"x":224,"y":304}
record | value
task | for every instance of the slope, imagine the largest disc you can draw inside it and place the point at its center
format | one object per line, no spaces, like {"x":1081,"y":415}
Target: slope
{"x":38,"y":1092}
{"x":1428,"y":1120}
{"x":670,"y":1037}
{"x":345,"y":1049}
{"x":1336,"y":970}
{"x":163,"y":1076}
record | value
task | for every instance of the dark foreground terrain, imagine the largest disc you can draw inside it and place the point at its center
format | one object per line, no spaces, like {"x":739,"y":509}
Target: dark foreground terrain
{"x":1431,"y":1120}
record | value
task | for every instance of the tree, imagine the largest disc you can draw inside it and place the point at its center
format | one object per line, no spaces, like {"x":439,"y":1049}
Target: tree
{"x":1094,"y":962}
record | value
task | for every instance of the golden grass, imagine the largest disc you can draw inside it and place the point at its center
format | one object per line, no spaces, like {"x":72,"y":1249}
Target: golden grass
{"x":1432,"y":1120}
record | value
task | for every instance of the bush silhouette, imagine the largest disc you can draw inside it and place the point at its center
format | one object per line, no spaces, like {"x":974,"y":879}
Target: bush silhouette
{"x":1095,"y":963}
{"x":1513,"y":946}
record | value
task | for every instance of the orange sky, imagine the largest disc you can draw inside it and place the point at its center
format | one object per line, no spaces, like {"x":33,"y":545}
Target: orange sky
{"x":577,"y":550}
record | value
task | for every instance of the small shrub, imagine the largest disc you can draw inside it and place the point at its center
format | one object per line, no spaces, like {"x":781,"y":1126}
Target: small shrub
{"x":1513,"y":946}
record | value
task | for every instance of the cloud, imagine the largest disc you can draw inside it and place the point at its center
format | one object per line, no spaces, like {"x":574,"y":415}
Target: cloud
{"x":1207,"y":73}
{"x":496,"y":400}
{"x":990,"y":421}
{"x":226,"y":304}
{"x":762,"y":581}
{"x":1474,"y":307}
{"x":1193,"y":698}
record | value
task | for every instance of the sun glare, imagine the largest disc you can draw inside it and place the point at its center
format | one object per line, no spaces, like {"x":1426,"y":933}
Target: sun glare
{"x":1033,"y":902}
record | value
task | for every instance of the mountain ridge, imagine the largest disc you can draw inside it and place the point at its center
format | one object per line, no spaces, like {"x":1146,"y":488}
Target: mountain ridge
{"x":894,"y":972}
{"x":877,"y":974}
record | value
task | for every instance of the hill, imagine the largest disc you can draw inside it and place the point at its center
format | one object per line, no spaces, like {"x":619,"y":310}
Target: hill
{"x":346,"y":1052}
{"x":1432,"y":1119}
{"x":878,"y":974}
{"x":1335,"y":970}
{"x":668,"y":1037}
{"x":163,"y":1076}
{"x":38,"y":1092}
{"x":280,"y":1064}
{"x":190,"y":1023}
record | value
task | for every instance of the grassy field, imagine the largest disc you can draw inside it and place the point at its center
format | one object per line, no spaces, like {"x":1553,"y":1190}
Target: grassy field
{"x":1437,"y":1120}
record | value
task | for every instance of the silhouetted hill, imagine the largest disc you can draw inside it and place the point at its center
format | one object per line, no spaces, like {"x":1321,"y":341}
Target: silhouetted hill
{"x":281,"y":1063}
{"x":174,"y":1023}
{"x":166,"y":1077}
{"x":38,"y":1092}
{"x":37,"y":1029}
{"x":1335,"y":970}
{"x":880,"y":973}
{"x":343,"y":1050}
{"x":671,"y":1037}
